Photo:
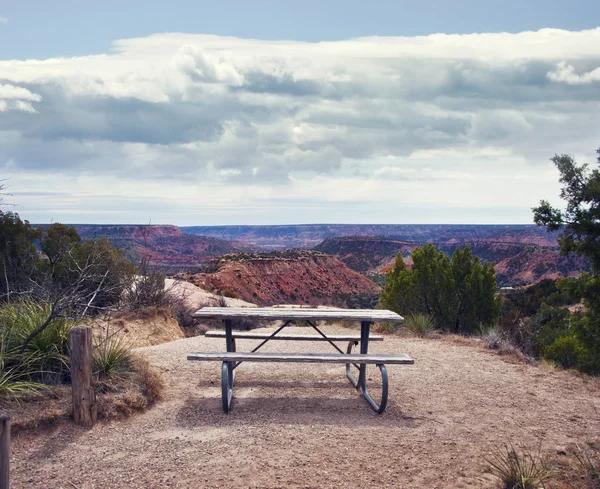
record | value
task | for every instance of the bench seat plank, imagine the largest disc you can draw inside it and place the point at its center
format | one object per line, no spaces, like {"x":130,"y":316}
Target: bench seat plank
{"x":293,"y":337}
{"x":371,"y":358}
{"x":298,"y":314}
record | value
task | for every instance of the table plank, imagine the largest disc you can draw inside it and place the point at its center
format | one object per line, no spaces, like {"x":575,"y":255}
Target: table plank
{"x":293,"y":337}
{"x":398,"y":359}
{"x":296,"y":313}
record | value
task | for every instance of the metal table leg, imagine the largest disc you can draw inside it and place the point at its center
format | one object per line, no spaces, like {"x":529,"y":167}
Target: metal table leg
{"x":351,"y":377}
{"x":365,"y":327}
{"x":228,"y":369}
{"x":378,"y":408}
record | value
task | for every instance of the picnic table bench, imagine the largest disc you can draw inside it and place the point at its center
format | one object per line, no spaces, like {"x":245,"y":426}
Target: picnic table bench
{"x":231,"y":359}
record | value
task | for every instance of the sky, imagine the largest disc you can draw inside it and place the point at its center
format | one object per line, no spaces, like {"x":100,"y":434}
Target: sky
{"x":274,"y":112}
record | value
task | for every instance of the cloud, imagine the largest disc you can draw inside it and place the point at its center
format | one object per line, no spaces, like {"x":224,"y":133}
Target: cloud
{"x":566,"y":73}
{"x":13,"y":97}
{"x":3,"y":20}
{"x":276,"y":115}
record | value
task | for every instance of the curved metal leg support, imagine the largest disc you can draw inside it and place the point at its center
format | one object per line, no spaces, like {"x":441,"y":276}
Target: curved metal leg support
{"x":351,"y":377}
{"x":378,"y":408}
{"x":227,"y":377}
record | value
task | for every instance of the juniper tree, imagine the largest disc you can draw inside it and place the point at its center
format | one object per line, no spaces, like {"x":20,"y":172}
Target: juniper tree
{"x":578,"y":225}
{"x":459,"y":292}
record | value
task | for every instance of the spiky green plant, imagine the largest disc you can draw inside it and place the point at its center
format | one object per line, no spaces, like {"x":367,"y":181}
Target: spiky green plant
{"x":590,"y":467}
{"x":519,"y":470}
{"x":111,"y":355}
{"x":14,"y":382}
{"x":46,"y":353}
{"x":15,"y":377}
{"x":420,"y":324}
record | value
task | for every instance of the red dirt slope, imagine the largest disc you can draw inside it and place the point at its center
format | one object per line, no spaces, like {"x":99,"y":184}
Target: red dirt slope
{"x":293,"y":277}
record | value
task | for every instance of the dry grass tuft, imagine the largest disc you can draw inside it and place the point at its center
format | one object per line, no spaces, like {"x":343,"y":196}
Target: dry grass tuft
{"x":33,"y":411}
{"x":132,"y":393}
{"x":498,"y":341}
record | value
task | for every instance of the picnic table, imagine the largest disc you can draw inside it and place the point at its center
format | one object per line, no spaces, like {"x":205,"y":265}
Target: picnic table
{"x":231,"y":359}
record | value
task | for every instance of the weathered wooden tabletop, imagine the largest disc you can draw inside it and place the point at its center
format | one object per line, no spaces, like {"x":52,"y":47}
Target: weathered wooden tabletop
{"x":299,"y":313}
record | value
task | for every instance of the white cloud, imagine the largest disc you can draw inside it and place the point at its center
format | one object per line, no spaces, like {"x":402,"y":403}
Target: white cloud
{"x":566,"y":73}
{"x":434,"y":116}
{"x":3,"y":20}
{"x":17,"y":98}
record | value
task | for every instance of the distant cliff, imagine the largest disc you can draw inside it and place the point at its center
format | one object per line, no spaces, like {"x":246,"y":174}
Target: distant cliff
{"x":166,"y":246}
{"x":287,"y":277}
{"x":310,"y":235}
{"x":366,"y":254}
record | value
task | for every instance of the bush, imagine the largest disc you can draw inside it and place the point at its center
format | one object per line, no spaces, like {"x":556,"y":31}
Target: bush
{"x":518,"y":332}
{"x":133,"y":391}
{"x":147,"y":291}
{"x":548,"y":325}
{"x":587,"y":330}
{"x":519,"y":471}
{"x":529,"y":300}
{"x":566,"y":351}
{"x":45,"y":358}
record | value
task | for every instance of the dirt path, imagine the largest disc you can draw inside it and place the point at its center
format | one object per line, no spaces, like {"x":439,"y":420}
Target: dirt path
{"x":296,"y":425}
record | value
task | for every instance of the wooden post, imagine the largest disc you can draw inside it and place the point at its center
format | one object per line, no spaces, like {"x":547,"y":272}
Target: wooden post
{"x":85,"y":411}
{"x":4,"y":452}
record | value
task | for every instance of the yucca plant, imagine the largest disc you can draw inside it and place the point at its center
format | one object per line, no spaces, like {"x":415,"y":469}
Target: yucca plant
{"x":111,"y":355}
{"x":420,"y":324}
{"x":591,"y":468}
{"x":15,"y":376}
{"x":14,"y":382}
{"x":519,"y":471}
{"x":46,"y":353}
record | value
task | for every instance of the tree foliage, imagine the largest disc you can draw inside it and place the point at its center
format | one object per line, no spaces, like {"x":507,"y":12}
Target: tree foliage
{"x":579,"y":232}
{"x":57,"y":242}
{"x":72,"y":278}
{"x":579,"y":222}
{"x":460,"y":293}
{"x":18,"y":256}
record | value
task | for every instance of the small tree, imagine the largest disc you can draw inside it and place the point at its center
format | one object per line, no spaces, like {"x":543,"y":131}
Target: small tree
{"x":460,"y":293}
{"x":57,"y":242}
{"x":399,"y":279}
{"x":18,"y":257}
{"x":579,"y":232}
{"x":579,"y":222}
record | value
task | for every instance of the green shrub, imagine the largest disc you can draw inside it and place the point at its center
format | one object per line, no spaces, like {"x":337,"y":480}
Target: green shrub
{"x":566,"y":351}
{"x":45,"y":358}
{"x":518,"y":471}
{"x":587,"y":330}
{"x":548,"y":325}
{"x":14,"y":378}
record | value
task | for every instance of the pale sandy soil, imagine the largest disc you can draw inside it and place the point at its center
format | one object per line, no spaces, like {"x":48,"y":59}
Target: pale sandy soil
{"x":296,"y":425}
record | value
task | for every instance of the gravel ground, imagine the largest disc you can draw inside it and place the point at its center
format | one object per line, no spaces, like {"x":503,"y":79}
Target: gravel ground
{"x":302,"y":425}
